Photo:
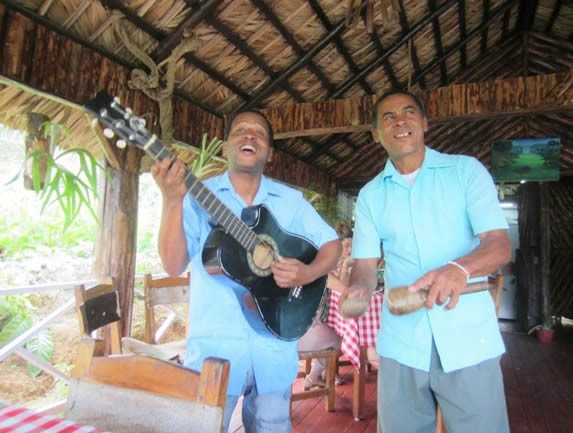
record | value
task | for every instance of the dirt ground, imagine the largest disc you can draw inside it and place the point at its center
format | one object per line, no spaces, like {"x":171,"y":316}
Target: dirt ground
{"x":18,"y":386}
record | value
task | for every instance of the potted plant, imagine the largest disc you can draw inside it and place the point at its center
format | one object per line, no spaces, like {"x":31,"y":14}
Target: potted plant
{"x":544,"y":330}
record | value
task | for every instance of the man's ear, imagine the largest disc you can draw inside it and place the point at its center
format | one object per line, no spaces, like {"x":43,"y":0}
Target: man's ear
{"x":425,"y":124}
{"x":224,"y":149}
{"x":271,"y":153}
{"x":374,"y":133}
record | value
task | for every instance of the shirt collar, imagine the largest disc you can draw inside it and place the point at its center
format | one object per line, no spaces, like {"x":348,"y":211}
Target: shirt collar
{"x":267,"y":187}
{"x":432,"y":159}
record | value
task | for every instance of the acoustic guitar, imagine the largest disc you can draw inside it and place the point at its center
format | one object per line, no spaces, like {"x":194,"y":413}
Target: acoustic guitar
{"x":241,"y":248}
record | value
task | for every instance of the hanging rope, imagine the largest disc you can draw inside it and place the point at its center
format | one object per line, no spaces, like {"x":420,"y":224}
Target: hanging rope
{"x":159,"y":83}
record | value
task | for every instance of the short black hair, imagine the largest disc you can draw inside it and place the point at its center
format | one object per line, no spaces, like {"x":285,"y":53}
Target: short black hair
{"x":391,"y":92}
{"x":229,"y":124}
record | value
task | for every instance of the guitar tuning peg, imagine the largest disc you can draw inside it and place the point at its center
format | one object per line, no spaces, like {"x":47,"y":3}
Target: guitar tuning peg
{"x":108,"y":133}
{"x":117,"y":100}
{"x":121,"y":143}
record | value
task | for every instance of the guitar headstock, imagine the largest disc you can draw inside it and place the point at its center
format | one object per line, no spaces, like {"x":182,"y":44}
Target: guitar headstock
{"x":121,"y":121}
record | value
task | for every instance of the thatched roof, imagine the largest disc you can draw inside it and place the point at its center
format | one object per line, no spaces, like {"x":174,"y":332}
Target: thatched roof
{"x":271,"y":54}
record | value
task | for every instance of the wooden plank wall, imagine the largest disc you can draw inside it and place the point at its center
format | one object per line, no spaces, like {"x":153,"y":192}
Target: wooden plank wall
{"x":561,"y":251}
{"x":561,"y":234}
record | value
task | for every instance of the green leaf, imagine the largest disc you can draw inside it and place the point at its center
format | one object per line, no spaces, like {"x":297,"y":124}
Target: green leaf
{"x":17,"y":324}
{"x":41,"y":345}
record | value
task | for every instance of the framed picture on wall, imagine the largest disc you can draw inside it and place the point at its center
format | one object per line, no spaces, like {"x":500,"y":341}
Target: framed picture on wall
{"x":526,"y":159}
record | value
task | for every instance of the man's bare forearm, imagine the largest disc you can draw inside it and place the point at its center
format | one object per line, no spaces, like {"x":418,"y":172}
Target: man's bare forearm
{"x":493,"y":252}
{"x":363,"y":274}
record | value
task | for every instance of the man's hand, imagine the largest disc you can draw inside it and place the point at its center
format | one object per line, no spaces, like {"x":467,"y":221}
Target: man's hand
{"x":169,"y":175}
{"x":289,"y":273}
{"x":442,"y":283}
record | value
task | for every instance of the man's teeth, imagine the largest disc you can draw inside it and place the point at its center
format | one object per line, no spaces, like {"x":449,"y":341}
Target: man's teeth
{"x":248,"y":147}
{"x":402,"y":134}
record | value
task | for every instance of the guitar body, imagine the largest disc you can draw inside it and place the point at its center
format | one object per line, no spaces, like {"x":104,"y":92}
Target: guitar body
{"x":288,"y":316}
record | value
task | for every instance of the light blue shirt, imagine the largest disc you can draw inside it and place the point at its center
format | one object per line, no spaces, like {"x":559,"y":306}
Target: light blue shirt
{"x":422,"y":227}
{"x":217,"y":323}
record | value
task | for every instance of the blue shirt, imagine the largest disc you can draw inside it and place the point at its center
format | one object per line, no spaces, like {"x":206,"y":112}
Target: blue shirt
{"x":217,"y":314}
{"x":422,"y":227}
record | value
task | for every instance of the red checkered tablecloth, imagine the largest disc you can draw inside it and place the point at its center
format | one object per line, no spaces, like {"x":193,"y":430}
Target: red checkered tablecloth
{"x":16,"y":419}
{"x":355,"y":332}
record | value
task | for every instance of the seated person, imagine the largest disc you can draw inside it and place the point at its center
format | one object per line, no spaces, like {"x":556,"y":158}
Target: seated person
{"x":320,"y":336}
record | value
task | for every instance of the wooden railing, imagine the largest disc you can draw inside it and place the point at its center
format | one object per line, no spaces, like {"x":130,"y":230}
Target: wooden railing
{"x":16,"y":345}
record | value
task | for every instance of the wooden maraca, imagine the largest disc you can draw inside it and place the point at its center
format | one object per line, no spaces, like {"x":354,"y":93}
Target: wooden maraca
{"x":353,"y":307}
{"x":401,"y":301}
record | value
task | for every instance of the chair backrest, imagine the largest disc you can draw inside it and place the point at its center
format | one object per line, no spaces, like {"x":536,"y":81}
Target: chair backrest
{"x":134,"y":393}
{"x":163,"y":291}
{"x":98,"y":310}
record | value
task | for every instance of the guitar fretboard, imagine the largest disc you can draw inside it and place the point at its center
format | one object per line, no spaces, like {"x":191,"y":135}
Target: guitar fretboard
{"x":211,"y":203}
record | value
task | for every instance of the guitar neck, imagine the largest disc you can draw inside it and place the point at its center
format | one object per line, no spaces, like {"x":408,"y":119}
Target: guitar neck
{"x":211,"y":203}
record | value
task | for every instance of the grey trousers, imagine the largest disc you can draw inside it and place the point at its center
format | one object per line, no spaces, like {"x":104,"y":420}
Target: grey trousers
{"x":472,"y":400}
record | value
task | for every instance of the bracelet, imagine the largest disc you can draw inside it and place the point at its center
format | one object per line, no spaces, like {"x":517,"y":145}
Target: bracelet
{"x":457,"y":265}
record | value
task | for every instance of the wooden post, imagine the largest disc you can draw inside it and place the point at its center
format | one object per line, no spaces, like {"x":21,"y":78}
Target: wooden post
{"x":35,"y":141}
{"x":545,"y":251}
{"x":116,"y":240}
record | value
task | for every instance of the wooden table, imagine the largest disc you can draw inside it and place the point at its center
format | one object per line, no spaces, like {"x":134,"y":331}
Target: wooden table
{"x":357,"y":335}
{"x":17,"y":419}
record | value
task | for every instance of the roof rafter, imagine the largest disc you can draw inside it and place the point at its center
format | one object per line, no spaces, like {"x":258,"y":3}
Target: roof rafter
{"x":554,"y":15}
{"x":242,"y":46}
{"x":339,"y":44}
{"x":271,"y":16}
{"x":526,"y":16}
{"x":296,"y":66}
{"x":462,"y":21}
{"x":464,"y":41}
{"x":395,"y":46}
{"x":484,"y":27}
{"x":438,"y":43}
{"x":172,"y":40}
{"x":406,"y":29}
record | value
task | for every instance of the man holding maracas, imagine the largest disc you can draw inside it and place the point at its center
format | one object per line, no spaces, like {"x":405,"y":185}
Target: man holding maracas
{"x":439,"y":220}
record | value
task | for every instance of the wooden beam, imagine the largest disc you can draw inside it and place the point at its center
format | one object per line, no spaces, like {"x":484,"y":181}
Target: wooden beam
{"x":406,"y":30}
{"x":393,"y":48}
{"x":319,"y":12}
{"x":462,"y":21}
{"x":290,"y":39}
{"x":489,"y":99}
{"x":438,"y":43}
{"x":166,"y":45}
{"x":296,"y":66}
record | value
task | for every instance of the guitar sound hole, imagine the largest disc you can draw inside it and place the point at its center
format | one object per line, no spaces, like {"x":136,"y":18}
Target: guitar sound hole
{"x":261,"y":259}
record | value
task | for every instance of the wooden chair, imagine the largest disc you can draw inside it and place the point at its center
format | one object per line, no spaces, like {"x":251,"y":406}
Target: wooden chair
{"x":163,"y":291}
{"x":358,"y":381}
{"x":496,"y":292}
{"x":98,"y":311}
{"x":328,"y":391}
{"x":138,"y":394}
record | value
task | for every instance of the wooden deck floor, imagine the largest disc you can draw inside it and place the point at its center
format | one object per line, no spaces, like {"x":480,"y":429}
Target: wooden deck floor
{"x":538,"y":381}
